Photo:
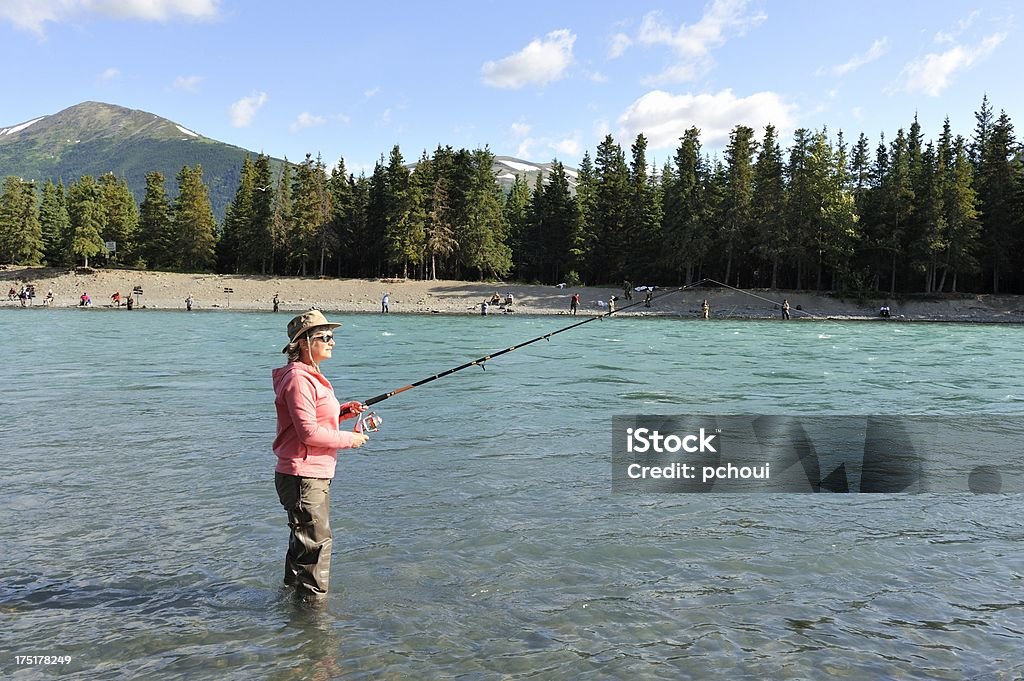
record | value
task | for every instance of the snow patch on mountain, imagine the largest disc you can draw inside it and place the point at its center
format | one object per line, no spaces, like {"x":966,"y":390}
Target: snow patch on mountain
{"x":186,"y":130}
{"x":19,"y":128}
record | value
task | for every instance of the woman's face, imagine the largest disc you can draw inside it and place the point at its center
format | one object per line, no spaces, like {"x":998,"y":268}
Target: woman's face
{"x":321,"y":343}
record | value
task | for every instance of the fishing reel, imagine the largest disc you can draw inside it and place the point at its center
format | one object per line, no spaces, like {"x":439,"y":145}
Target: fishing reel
{"x":368,"y":422}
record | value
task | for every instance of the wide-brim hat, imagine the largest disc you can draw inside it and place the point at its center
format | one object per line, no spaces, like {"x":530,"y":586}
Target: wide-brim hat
{"x":306,"y":321}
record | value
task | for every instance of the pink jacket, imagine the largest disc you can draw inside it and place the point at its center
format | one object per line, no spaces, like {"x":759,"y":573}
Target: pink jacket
{"x":308,"y":438}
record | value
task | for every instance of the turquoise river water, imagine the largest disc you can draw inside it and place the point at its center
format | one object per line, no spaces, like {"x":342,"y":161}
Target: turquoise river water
{"x":477,"y":535}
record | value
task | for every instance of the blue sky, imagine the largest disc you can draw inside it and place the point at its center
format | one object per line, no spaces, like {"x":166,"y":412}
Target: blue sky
{"x":536,"y":80}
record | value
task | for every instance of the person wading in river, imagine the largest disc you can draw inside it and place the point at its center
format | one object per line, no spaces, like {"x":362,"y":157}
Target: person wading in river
{"x":306,"y":445}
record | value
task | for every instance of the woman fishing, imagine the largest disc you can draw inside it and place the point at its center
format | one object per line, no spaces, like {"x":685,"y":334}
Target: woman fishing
{"x":306,"y":446}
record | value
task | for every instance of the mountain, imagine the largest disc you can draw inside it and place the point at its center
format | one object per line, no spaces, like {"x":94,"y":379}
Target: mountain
{"x":506,"y":168}
{"x":93,"y":138}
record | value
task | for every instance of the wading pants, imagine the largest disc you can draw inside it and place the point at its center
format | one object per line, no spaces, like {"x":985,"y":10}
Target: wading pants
{"x":307,"y":565}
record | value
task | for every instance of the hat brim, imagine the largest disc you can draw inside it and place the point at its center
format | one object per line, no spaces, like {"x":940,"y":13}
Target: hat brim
{"x":328,"y":325}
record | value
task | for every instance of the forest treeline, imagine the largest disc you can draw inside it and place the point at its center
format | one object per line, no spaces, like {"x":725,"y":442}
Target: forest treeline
{"x":904,"y":215}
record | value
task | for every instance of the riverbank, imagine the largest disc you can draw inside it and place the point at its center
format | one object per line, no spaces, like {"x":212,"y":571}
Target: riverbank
{"x":164,"y":290}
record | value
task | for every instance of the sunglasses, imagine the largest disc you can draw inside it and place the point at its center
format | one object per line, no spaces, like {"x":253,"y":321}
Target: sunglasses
{"x":323,"y":337}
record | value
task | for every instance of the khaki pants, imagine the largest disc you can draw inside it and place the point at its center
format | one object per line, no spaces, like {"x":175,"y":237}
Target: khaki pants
{"x":307,"y":565}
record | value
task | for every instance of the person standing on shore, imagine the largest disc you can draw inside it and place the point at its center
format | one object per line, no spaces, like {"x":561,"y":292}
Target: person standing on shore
{"x":306,"y":446}
{"x":188,"y":302}
{"x":385,"y":303}
{"x":705,"y":310}
{"x":785,"y":308}
{"x":574,"y":303}
{"x":277,"y":302}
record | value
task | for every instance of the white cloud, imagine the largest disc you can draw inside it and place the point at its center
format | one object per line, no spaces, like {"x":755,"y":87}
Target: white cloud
{"x":33,"y":14}
{"x":541,"y":62}
{"x":961,"y":26}
{"x":568,"y":147}
{"x":620,"y":43}
{"x":372,"y":92}
{"x":109,"y":75}
{"x":243,"y":111}
{"x":187,"y":83}
{"x":520,"y":129}
{"x":663,"y":117}
{"x":306,"y":120}
{"x":524,"y":149}
{"x":877,"y":49}
{"x":933,"y":73}
{"x":693,"y":43}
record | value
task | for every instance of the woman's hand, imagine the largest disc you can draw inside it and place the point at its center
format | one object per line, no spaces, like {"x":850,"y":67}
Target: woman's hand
{"x":351,"y":409}
{"x":359,"y":439}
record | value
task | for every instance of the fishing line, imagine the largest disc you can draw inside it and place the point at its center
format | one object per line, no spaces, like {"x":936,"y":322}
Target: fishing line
{"x":480,"y":361}
{"x":370,"y":421}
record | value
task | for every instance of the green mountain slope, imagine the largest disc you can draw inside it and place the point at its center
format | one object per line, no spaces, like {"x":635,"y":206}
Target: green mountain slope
{"x":93,"y":138}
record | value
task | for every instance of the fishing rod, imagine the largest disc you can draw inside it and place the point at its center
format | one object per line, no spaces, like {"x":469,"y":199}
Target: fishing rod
{"x":370,"y":421}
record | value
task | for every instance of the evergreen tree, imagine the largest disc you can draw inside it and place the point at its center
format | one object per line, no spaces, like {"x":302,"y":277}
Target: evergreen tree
{"x":483,"y":236}
{"x":195,"y":227}
{"x":983,"y":122}
{"x":770,"y":237}
{"x":404,"y":228}
{"x":121,"y":221}
{"x":156,"y":230}
{"x":54,"y":222}
{"x":311,"y":237}
{"x":737,"y":211}
{"x":611,"y":214}
{"x":281,"y":221}
{"x":377,"y":214}
{"x":554,"y":218}
{"x":86,"y":214}
{"x":518,"y":213}
{"x":687,"y":209}
{"x":339,"y":185}
{"x":802,"y":205}
{"x":21,"y":236}
{"x":440,"y":232}
{"x":258,"y":235}
{"x":998,"y":179}
{"x":644,"y":232}
{"x":897,"y":195}
{"x":960,"y":201}
{"x":586,"y":204}
{"x":237,"y":218}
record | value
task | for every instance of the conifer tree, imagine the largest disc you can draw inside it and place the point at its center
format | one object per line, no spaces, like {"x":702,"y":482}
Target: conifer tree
{"x":54,"y":222}
{"x":156,"y":231}
{"x":86,"y":214}
{"x":998,"y":185}
{"x":259,"y":232}
{"x":960,"y":204}
{"x":195,"y":227}
{"x":440,"y":235}
{"x":281,"y":220}
{"x":770,"y":234}
{"x":737,"y":207}
{"x":339,"y":185}
{"x":687,"y":209}
{"x":644,"y":223}
{"x":611,"y":218}
{"x":121,"y":221}
{"x":311,"y":238}
{"x":21,"y":237}
{"x":586,"y":205}
{"x":234,"y":239}
{"x":897,"y":203}
{"x":517,"y":213}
